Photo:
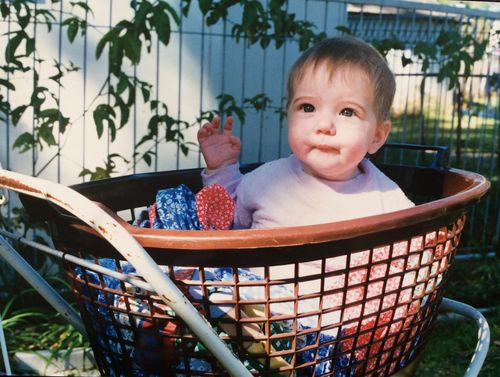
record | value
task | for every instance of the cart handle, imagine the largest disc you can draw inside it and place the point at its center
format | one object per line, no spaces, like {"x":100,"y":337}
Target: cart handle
{"x":483,"y":334}
{"x":132,"y":251}
{"x":441,"y":159}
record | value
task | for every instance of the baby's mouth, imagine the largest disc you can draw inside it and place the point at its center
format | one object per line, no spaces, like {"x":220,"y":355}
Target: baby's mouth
{"x":325,"y":148}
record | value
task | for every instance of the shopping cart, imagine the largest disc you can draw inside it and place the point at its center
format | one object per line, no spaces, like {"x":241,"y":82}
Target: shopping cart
{"x":352,"y":298}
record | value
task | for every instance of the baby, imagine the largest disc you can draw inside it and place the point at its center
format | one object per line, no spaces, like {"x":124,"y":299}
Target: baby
{"x":340,"y":92}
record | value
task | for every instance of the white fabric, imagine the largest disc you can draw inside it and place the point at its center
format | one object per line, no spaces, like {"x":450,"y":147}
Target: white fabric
{"x":279,"y":193}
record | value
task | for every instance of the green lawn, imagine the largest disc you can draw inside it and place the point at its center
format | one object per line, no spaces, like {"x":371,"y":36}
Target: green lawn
{"x":452,"y":342}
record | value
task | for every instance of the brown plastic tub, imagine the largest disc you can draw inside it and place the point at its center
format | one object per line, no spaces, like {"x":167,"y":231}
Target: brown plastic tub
{"x":352,"y":298}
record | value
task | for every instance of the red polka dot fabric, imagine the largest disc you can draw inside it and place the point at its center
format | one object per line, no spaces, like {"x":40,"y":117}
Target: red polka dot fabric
{"x":215,"y":208}
{"x":152,"y":214}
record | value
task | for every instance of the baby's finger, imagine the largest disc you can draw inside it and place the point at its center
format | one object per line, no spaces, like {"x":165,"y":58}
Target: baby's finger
{"x":205,"y":131}
{"x":215,"y":122}
{"x":235,"y":142}
{"x":228,"y":126}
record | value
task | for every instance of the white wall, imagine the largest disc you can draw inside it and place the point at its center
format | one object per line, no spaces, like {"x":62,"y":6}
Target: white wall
{"x":198,"y":64}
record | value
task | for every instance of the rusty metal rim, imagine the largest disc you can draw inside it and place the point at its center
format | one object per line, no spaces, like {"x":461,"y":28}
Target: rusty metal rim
{"x":476,"y":187}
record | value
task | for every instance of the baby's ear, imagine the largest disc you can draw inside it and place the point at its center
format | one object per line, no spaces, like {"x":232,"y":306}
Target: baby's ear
{"x":381,"y":134}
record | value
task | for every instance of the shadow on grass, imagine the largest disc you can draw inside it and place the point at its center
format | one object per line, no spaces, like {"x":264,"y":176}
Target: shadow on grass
{"x":452,"y":345}
{"x":452,"y":342}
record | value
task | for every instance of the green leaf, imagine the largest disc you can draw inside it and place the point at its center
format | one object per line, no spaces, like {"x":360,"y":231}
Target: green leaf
{"x":146,"y":93}
{"x":186,"y":4}
{"x":214,"y":16}
{"x":141,"y":13}
{"x":131,"y":95}
{"x":112,"y":129}
{"x":73,"y":25}
{"x":48,"y":17}
{"x":184,"y":149}
{"x":115,"y":57}
{"x":83,"y":5}
{"x":265,"y":40}
{"x":479,"y":49}
{"x":204,"y":5}
{"x":4,"y":9}
{"x":30,"y":46}
{"x":168,"y":8}
{"x":122,"y":84}
{"x":153,"y":125}
{"x":424,"y":49}
{"x":132,"y":48}
{"x":104,"y":112}
{"x":442,"y":74}
{"x":144,"y":139}
{"x":443,"y":38}
{"x":17,"y":113}
{"x":147,"y":158}
{"x":109,"y":37}
{"x":124,"y":111}
{"x":236,"y":32}
{"x":406,"y":61}
{"x":38,"y":96}
{"x":158,"y":106}
{"x":161,"y":24}
{"x":344,"y":29}
{"x":24,"y":142}
{"x":84,"y":172}
{"x":240,"y":114}
{"x":7,"y":84}
{"x":259,"y":101}
{"x":449,"y":49}
{"x":53,"y":115}
{"x":99,"y":126}
{"x":48,"y":113}
{"x":46,"y":133}
{"x":13,"y":45}
{"x":249,"y":15}
{"x":63,"y":123}
{"x":24,"y":18}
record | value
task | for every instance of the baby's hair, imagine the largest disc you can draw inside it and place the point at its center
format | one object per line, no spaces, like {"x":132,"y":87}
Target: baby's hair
{"x":347,"y":51}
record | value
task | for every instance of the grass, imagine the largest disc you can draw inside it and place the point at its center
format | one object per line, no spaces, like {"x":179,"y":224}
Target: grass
{"x":451,"y":346}
{"x":31,"y":325}
{"x":452,"y":342}
{"x":477,"y":155}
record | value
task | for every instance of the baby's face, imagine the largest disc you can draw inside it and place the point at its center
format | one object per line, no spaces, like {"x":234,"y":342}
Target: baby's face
{"x":332,"y":122}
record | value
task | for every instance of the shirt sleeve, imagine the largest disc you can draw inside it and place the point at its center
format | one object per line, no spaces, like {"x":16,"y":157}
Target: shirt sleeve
{"x":228,"y":177}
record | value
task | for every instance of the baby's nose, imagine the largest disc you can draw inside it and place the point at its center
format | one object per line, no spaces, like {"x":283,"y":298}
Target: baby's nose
{"x":326,"y":125}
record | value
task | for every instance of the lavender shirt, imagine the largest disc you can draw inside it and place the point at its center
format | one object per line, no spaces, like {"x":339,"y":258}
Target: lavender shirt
{"x":279,"y":193}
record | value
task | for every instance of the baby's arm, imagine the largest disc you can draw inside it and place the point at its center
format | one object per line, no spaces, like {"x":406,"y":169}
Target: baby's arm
{"x":230,"y":178}
{"x":219,"y":149}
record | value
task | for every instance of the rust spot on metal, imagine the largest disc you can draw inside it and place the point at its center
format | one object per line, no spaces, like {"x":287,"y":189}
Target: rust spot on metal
{"x":55,"y":199}
{"x":15,"y":184}
{"x":103,"y":230}
{"x":165,"y":298}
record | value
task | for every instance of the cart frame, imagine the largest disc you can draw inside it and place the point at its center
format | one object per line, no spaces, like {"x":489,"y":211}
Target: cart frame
{"x":156,"y":280}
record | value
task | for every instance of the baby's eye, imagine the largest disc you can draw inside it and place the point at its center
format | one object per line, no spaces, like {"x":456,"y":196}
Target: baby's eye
{"x":307,"y":108}
{"x":347,"y":112}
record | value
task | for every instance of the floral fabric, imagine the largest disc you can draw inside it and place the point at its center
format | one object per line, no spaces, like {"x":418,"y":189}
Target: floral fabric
{"x":180,"y":209}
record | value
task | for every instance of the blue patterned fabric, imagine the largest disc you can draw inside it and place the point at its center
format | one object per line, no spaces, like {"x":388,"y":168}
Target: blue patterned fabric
{"x":176,"y":209}
{"x":139,"y":352}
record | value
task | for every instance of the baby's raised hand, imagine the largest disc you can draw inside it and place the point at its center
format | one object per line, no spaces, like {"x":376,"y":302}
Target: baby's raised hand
{"x":219,"y":148}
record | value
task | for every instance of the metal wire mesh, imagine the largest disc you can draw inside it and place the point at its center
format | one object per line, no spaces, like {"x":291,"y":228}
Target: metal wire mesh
{"x":357,"y":312}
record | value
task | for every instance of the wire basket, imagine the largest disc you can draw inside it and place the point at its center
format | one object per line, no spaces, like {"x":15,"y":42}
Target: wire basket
{"x":352,"y":298}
